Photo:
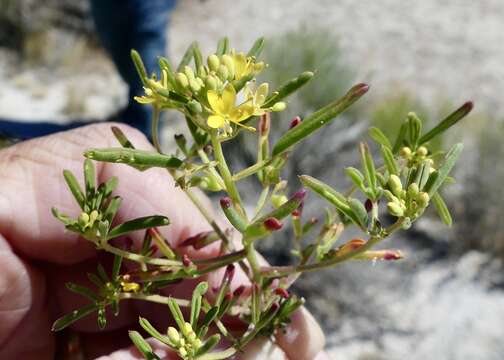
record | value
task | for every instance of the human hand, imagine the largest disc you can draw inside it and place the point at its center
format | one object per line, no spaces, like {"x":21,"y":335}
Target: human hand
{"x":37,"y":257}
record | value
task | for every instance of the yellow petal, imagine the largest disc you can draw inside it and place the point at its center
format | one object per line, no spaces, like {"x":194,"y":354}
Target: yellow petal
{"x":228,"y":99}
{"x":214,"y":100}
{"x":216,"y":121}
{"x":261,"y":93}
{"x":144,"y":99}
{"x":240,"y":62}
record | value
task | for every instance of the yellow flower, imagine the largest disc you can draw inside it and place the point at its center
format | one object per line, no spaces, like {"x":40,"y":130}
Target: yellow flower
{"x":224,"y":110}
{"x":256,"y":99}
{"x":245,"y":65}
{"x":150,"y":93}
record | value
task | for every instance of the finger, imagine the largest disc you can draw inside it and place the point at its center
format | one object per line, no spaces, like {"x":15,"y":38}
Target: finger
{"x":24,"y":316}
{"x":31,"y":182}
{"x":131,"y":353}
{"x":303,"y":339}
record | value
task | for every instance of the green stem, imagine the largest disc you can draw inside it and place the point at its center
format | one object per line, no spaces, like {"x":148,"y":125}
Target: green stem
{"x":251,"y":170}
{"x":204,"y":158}
{"x":282,"y":271}
{"x":139,"y":258}
{"x":226,"y":174}
{"x":252,"y":259}
{"x":155,"y":127}
{"x":153,"y":298}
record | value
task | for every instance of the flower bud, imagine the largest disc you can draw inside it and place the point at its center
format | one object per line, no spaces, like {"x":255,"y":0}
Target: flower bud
{"x":213,"y":62}
{"x":258,"y":67}
{"x":422,"y":151}
{"x":211,"y":82}
{"x":395,"y":209}
{"x":83,"y":219}
{"x":395,"y":185}
{"x":225,"y":202}
{"x":194,"y":85}
{"x":188,"y":71}
{"x":278,"y":200}
{"x":187,"y":329}
{"x":186,"y":261}
{"x":229,"y":273}
{"x":282,"y":293}
{"x":239,"y":291}
{"x":423,"y":199}
{"x":182,"y":80}
{"x":369,"y":204}
{"x":223,"y":72}
{"x":229,"y":63}
{"x":194,"y":107}
{"x":173,"y":335}
{"x":202,"y":72}
{"x":182,"y":351}
{"x":295,"y":122}
{"x":279,"y":106}
{"x":413,"y":190}
{"x":405,"y":152}
{"x":349,"y":247}
{"x":273,"y":224}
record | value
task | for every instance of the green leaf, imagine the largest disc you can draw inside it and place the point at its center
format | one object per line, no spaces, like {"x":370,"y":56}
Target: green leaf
{"x":207,"y":320}
{"x":62,"y":217}
{"x":138,"y":224}
{"x":448,"y":122}
{"x":256,"y":48}
{"x":151,"y":330}
{"x":208,"y":345}
{"x":400,"y":138}
{"x":360,"y":212}
{"x":442,"y":209}
{"x":164,"y":64}
{"x":186,"y":59}
{"x":368,"y":166}
{"x":356,"y":177}
{"x":89,"y":178}
{"x":388,"y":159}
{"x":442,"y":173}
{"x":318,"y":119}
{"x":133,"y":157}
{"x":139,"y":65}
{"x":176,"y":313}
{"x":116,"y":268}
{"x":198,"y":292}
{"x":102,"y":273}
{"x":222,"y":46}
{"x":95,"y":280}
{"x":414,"y":129}
{"x":82,"y":290}
{"x":112,"y":209}
{"x":75,"y":188}
{"x":198,"y":58}
{"x":142,"y":345}
{"x":72,"y":317}
{"x":288,"y":88}
{"x":331,"y":195}
{"x":378,"y":136}
{"x":121,"y":138}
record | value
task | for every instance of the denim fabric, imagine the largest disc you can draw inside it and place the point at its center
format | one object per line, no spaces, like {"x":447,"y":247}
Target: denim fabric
{"x":122,"y":25}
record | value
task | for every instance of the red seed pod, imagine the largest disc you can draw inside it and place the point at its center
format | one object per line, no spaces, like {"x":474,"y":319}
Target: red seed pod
{"x":228,"y":297}
{"x":392,"y":255}
{"x":229,"y":274}
{"x":195,"y":240}
{"x":295,"y":122}
{"x":225,"y":202}
{"x":274,"y":307}
{"x":282,"y":292}
{"x":299,"y":195}
{"x":273,"y":224}
{"x":239,"y":291}
{"x":296,"y":213}
{"x":186,"y":261}
{"x":368,"y":205}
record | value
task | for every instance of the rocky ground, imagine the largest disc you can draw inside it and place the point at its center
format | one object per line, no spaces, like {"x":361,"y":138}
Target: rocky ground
{"x":433,"y":305}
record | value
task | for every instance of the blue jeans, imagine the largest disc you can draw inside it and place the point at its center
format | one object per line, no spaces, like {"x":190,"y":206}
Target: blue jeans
{"x":122,"y":25}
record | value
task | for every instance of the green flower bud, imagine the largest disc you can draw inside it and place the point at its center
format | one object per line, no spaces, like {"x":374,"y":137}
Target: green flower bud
{"x":83,"y":219}
{"x":223,"y":72}
{"x":194,"y":107}
{"x":413,"y":190}
{"x":395,"y":185}
{"x":279,"y":106}
{"x":189,"y":72}
{"x":278,"y":200}
{"x":197,"y":343}
{"x":211,"y":82}
{"x":229,"y":63}
{"x":405,"y":152}
{"x":423,"y":199}
{"x":209,"y":183}
{"x":194,"y":85}
{"x":173,"y":335}
{"x":187,"y":329}
{"x":200,"y":81}
{"x":182,"y":351}
{"x":213,"y":62}
{"x":406,"y":223}
{"x":182,"y":80}
{"x":422,"y":151}
{"x":390,"y":196}
{"x":258,"y":67}
{"x":395,"y":209}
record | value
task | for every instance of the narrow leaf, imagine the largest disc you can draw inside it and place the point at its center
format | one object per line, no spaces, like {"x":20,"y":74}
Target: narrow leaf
{"x":176,"y":313}
{"x":198,"y":58}
{"x":388,"y":159}
{"x":378,"y":136}
{"x":72,"y":317}
{"x":198,"y":292}
{"x":288,"y":88}
{"x":116,"y":268}
{"x":75,"y":188}
{"x":442,"y":209}
{"x":186,"y":59}
{"x":444,"y":170}
{"x":318,"y":119}
{"x":368,"y":166}
{"x":139,"y":65}
{"x":82,"y":290}
{"x":256,"y":48}
{"x":138,"y":224}
{"x":89,"y":178}
{"x":448,"y":122}
{"x":142,"y":345}
{"x":222,"y":46}
{"x":400,"y":138}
